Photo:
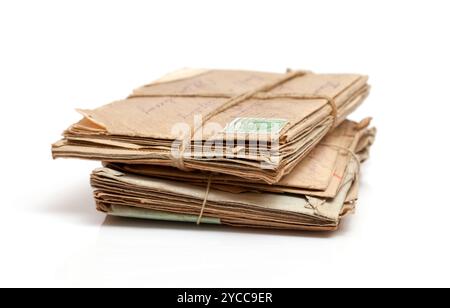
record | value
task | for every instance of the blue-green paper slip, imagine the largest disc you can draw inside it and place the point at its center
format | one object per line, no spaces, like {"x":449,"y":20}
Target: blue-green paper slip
{"x":256,"y":126}
{"x":141,"y":213}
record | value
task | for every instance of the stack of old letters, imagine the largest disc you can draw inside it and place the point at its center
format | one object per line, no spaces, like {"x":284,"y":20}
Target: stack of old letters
{"x":238,"y":148}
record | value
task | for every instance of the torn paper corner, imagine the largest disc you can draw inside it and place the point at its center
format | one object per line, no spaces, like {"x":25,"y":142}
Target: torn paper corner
{"x":88,"y":117}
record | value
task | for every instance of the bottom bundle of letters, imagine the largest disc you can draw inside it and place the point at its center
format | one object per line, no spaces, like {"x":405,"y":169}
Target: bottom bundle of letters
{"x":315,"y":196}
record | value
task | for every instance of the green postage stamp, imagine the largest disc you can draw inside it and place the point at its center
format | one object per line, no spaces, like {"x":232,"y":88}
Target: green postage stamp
{"x":256,"y":126}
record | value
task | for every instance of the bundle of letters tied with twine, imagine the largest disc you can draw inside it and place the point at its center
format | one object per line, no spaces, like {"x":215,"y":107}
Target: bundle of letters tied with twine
{"x":236,"y":148}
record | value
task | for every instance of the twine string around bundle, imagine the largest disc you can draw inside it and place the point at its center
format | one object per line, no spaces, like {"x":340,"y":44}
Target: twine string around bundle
{"x":262,"y":92}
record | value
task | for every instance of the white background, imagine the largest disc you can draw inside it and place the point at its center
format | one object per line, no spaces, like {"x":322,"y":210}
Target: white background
{"x":56,"y":56}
